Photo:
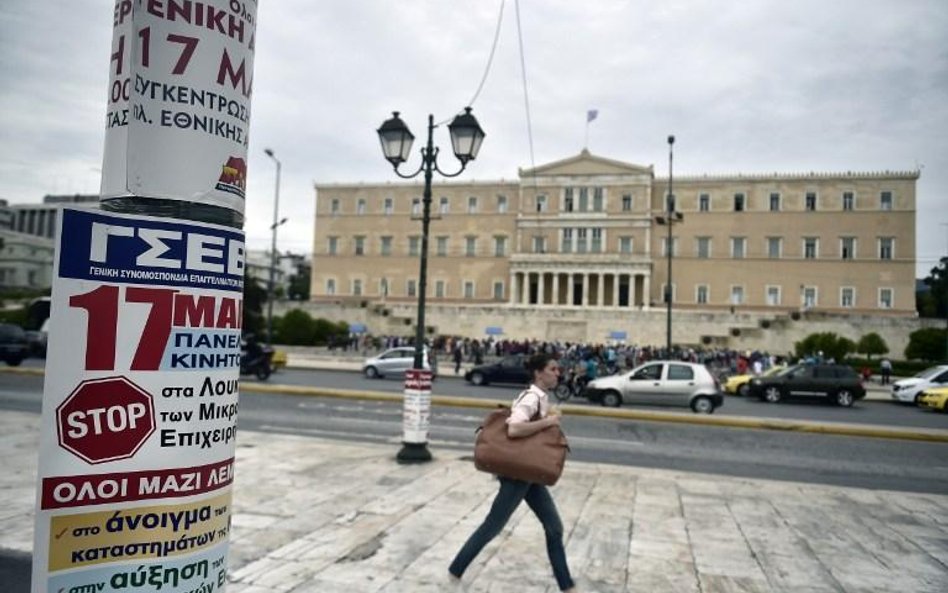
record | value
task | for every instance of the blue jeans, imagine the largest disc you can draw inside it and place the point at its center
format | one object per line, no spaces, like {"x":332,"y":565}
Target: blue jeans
{"x":508,"y":499}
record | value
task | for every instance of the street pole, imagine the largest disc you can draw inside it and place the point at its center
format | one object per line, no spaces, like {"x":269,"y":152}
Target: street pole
{"x":396,"y":138}
{"x":668,"y":287}
{"x":273,"y":244}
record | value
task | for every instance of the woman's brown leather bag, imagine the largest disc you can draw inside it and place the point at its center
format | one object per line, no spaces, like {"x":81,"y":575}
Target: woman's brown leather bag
{"x":538,"y":458}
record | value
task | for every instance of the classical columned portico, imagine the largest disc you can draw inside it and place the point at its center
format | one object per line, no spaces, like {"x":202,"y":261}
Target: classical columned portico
{"x":606,"y":288}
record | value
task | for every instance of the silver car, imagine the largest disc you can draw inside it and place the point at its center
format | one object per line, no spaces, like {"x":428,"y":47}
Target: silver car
{"x":395,"y":361}
{"x":660,"y":382}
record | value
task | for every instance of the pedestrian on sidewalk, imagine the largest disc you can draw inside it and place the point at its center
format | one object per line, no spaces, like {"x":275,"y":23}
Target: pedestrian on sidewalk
{"x":532,"y":403}
{"x":886,"y":367}
{"x":458,"y":355}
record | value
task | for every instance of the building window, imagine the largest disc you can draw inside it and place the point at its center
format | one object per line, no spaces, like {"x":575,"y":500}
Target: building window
{"x":738,"y":247}
{"x":411,"y":288}
{"x":498,"y":291}
{"x":470,"y":246}
{"x":670,"y":203}
{"x":774,"y":202}
{"x":468,"y":289}
{"x":886,"y":247}
{"x":541,"y":203}
{"x":597,"y":199}
{"x":774,"y":247}
{"x":568,"y":199}
{"x":737,"y":295}
{"x":701,"y":294}
{"x":810,"y":201}
{"x":333,"y":245}
{"x":441,"y":246}
{"x":847,"y":247}
{"x":439,"y":289}
{"x":567,"y":243}
{"x":809,"y":297}
{"x":773,"y":296}
{"x":359,"y":245}
{"x":704,"y":247}
{"x":444,"y":205}
{"x":673,"y":244}
{"x":502,"y":204}
{"x":583,"y":199}
{"x":625,"y":244}
{"x":539,"y":244}
{"x":387,"y":207}
{"x":360,"y":207}
{"x":811,"y":247}
{"x":581,"y":235}
{"x":885,"y":298}
{"x":848,"y":200}
{"x":357,"y":287}
{"x":596,"y":245}
{"x":416,"y":207}
{"x":739,"y":204}
{"x":665,"y":295}
{"x":330,"y":286}
{"x":885,"y":200}
{"x":500,"y":246}
{"x":472,"y":205}
{"x":386,"y":247}
{"x":704,"y":202}
{"x":627,"y":203}
{"x":383,"y":287}
{"x":414,"y":246}
{"x":847,"y":297}
{"x":334,"y":206}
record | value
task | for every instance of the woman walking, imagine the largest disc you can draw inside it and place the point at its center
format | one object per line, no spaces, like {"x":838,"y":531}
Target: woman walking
{"x":529,"y":414}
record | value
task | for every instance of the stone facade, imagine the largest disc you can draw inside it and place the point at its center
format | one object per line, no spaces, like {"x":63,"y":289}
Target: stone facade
{"x":577,"y":248}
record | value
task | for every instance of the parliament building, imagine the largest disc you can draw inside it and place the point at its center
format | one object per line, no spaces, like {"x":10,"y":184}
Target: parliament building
{"x":578,"y":249}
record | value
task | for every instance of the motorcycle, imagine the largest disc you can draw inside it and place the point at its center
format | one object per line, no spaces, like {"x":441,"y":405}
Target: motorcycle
{"x":260,"y":366}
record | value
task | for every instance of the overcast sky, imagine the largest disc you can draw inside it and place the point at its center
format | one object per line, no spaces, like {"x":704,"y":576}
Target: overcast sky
{"x":746,"y":87}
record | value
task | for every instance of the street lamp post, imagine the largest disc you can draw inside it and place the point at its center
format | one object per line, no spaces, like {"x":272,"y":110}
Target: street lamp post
{"x":273,"y":244}
{"x":670,"y":218}
{"x":396,"y":139}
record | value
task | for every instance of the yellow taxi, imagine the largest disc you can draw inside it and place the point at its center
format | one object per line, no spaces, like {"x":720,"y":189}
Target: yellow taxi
{"x":740,"y":384}
{"x":935,"y":398}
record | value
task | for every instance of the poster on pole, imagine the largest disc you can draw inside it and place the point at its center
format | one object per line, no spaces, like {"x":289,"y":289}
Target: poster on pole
{"x":140,"y":400}
{"x":178,"y":118}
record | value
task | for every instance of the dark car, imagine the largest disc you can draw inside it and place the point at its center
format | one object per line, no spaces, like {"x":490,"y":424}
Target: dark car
{"x":509,"y":369}
{"x":14,"y":346}
{"x":837,"y":383}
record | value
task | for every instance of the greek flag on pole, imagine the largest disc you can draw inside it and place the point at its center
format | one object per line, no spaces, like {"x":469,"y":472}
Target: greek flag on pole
{"x":591,"y":115}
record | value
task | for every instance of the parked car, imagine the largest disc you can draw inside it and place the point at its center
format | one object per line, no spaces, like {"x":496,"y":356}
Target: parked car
{"x":508,"y":369}
{"x":908,"y":390}
{"x":660,"y":382}
{"x":934,"y":398}
{"x":395,"y":361}
{"x":740,"y":384}
{"x":837,"y":383}
{"x":14,"y":346}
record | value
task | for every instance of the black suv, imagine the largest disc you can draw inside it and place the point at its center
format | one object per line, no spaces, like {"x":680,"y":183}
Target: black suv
{"x":838,"y":383}
{"x":13,"y":344}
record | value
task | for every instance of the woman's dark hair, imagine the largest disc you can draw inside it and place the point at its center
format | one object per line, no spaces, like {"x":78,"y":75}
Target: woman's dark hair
{"x":538,"y":362}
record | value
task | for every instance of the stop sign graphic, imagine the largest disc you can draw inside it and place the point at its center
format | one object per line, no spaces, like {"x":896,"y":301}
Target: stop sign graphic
{"x":105,"y":419}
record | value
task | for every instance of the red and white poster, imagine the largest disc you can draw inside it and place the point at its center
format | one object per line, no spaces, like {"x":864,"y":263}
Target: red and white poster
{"x":178,"y":119}
{"x":140,"y":405}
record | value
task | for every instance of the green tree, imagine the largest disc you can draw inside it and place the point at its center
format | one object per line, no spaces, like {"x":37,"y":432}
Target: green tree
{"x":830,"y":344}
{"x":934,"y":303}
{"x":254,"y":298}
{"x":296,"y":328}
{"x":299,"y":285}
{"x":872,"y":343}
{"x":926,"y":344}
